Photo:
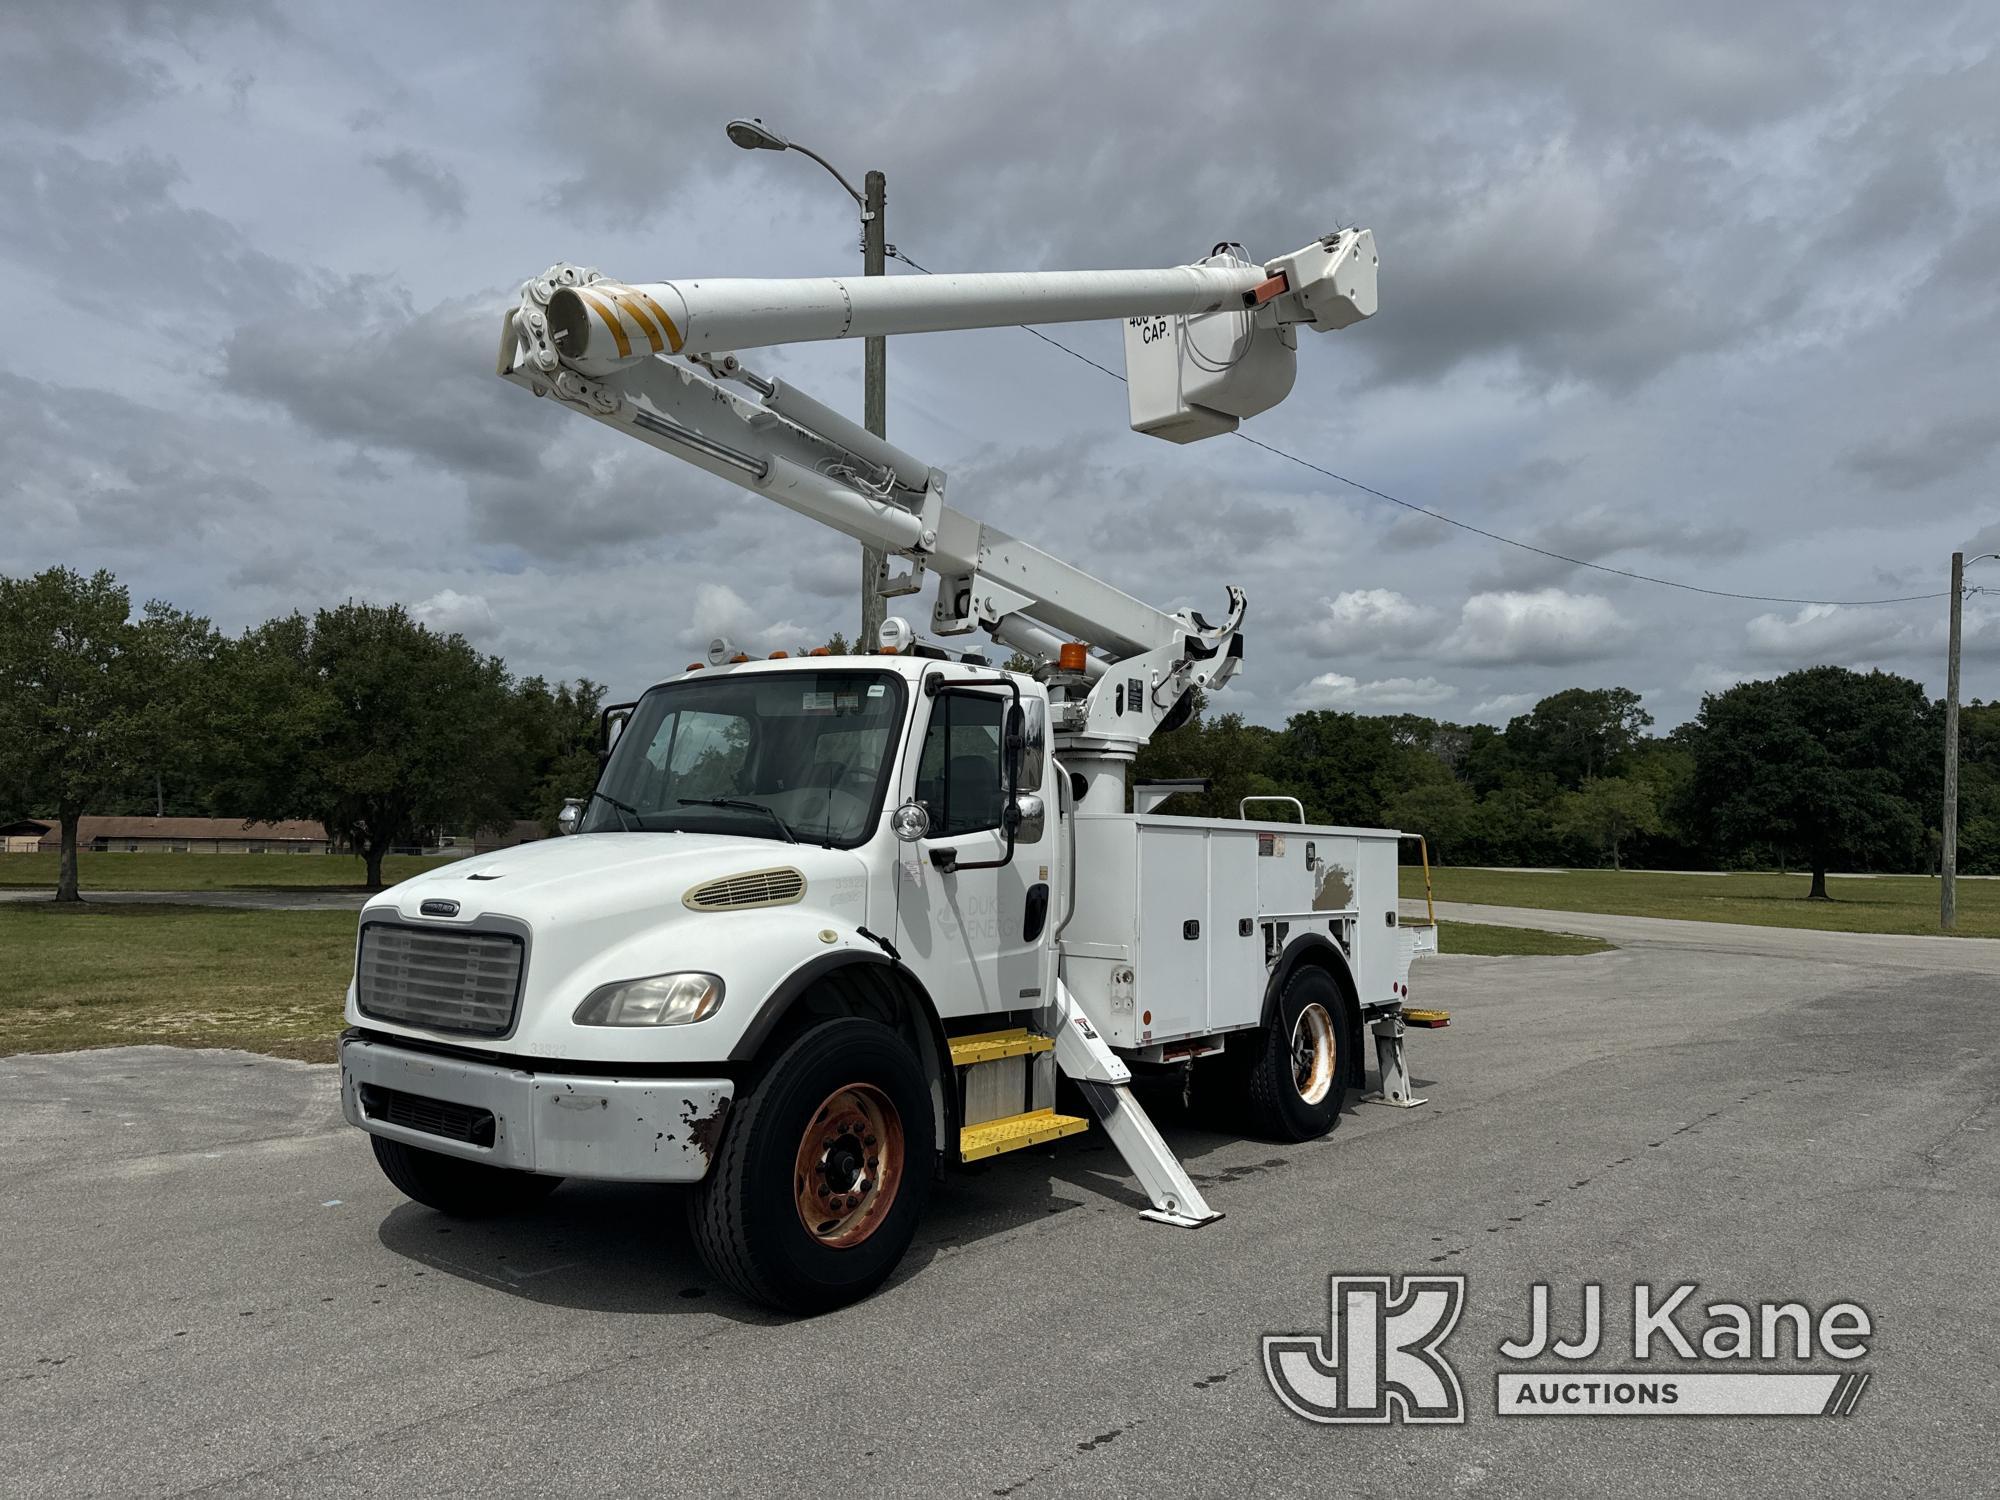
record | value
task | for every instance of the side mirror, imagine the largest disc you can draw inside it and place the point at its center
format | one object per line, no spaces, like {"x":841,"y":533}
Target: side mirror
{"x":570,"y":816}
{"x":1028,"y":815}
{"x":910,"y":822}
{"x":610,"y":724}
{"x":1015,"y":742}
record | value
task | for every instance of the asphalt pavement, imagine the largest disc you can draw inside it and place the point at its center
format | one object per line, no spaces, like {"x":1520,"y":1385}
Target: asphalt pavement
{"x":210,"y":1289}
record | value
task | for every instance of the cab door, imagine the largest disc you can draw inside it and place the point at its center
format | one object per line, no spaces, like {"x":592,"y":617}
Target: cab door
{"x":975,"y":931}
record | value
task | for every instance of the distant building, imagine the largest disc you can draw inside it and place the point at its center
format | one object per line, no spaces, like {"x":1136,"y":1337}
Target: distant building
{"x":24,"y":837}
{"x":189,"y":836}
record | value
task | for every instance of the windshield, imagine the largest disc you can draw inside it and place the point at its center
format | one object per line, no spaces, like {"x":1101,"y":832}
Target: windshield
{"x":801,"y":755}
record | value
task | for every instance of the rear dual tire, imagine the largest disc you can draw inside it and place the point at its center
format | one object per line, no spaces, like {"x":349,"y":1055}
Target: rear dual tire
{"x":1290,"y":1076}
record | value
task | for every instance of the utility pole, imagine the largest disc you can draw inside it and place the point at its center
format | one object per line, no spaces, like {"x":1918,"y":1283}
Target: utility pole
{"x":1948,"y":851}
{"x":876,"y":398}
{"x":754,"y":135}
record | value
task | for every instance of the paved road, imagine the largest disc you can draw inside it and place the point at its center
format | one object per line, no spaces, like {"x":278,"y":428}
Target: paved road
{"x":1892,"y":950}
{"x":209,"y":1288}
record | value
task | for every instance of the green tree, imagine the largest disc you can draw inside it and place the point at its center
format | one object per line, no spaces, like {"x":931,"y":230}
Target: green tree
{"x":1444,"y":811}
{"x":1230,"y":754}
{"x":1606,"y":811}
{"x":1578,"y":733}
{"x":373,"y":724}
{"x":1347,"y":767}
{"x":1978,"y":790}
{"x":1827,"y":763}
{"x":556,"y":731}
{"x":91,"y":699}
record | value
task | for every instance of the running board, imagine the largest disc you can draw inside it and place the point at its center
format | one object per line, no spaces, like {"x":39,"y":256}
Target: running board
{"x":1104,"y":1079}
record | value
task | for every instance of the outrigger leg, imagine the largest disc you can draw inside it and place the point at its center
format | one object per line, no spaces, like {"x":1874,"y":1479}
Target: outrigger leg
{"x":1105,"y":1081}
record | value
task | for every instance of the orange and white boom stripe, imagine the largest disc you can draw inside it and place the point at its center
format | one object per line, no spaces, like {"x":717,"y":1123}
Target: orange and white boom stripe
{"x":633,"y":318}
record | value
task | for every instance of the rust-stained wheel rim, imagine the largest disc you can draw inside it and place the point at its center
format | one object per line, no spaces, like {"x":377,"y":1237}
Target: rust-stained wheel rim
{"x":1313,"y":1053}
{"x":850,"y":1165}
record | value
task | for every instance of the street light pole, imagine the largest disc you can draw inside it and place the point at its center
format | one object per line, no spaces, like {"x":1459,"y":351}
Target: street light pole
{"x":875,"y":416}
{"x":755,"y":135}
{"x":1948,"y":849}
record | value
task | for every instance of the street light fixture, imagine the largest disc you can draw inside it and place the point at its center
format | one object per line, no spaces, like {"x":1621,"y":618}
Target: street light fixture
{"x":1948,"y":843}
{"x":754,"y":135}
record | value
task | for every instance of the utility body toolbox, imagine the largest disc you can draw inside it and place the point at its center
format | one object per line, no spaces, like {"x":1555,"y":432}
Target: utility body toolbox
{"x":1180,"y":919}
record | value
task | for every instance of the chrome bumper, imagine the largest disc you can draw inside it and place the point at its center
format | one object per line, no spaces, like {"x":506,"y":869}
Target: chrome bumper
{"x":619,"y":1129}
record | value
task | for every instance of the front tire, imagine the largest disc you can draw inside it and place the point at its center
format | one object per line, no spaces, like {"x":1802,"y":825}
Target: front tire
{"x":1298,"y":1076}
{"x":452,"y":1185}
{"x":823,"y":1171}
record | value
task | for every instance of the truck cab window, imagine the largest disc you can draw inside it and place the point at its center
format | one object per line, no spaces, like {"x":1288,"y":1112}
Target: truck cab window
{"x":959,"y":772}
{"x":810,"y":750}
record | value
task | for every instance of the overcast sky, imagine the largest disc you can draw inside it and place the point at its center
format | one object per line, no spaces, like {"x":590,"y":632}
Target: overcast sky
{"x":1706,"y":291}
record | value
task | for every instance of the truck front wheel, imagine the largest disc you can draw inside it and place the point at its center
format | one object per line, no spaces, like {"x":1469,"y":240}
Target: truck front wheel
{"x":823,"y":1171}
{"x":1298,"y":1070}
{"x":452,"y":1185}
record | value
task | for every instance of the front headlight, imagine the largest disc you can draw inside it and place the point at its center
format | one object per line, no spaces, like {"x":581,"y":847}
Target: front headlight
{"x":663,"y":1000}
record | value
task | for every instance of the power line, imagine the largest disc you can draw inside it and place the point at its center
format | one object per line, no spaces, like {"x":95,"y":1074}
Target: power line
{"x":1480,"y":531}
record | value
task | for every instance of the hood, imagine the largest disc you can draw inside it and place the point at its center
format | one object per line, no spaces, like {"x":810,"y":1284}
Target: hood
{"x":595,"y":875}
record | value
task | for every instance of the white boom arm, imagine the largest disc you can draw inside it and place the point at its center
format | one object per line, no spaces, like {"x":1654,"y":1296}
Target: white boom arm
{"x":601,"y":327}
{"x":605,"y":348}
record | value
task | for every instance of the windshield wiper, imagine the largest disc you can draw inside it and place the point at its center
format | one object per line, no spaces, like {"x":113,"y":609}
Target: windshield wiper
{"x":743,"y":804}
{"x":628,"y":816}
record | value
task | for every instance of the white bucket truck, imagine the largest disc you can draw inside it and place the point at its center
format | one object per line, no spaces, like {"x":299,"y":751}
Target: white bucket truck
{"x":828,"y":924}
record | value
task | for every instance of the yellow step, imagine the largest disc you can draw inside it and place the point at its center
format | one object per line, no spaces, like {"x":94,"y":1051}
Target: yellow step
{"x":991,"y":1046}
{"x":976,"y":1142}
{"x":1427,"y":1017}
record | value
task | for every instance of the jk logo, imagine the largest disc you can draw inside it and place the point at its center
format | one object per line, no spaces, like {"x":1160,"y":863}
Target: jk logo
{"x":1379,"y":1361}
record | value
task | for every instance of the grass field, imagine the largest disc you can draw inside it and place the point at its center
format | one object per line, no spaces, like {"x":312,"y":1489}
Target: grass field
{"x":1890,"y":903}
{"x":189,"y":976}
{"x":268,"y":981}
{"x":207,"y":872}
{"x":1482,"y":940}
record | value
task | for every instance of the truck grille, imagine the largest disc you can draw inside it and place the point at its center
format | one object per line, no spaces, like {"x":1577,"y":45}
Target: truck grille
{"x":448,"y":981}
{"x":455,"y":1122}
{"x":780,"y":887}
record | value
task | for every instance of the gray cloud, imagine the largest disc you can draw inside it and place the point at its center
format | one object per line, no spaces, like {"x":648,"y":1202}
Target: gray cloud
{"x":1557,"y":196}
{"x":1683,"y":287}
{"x":1924,"y":453}
{"x":85,"y":464}
{"x":427,"y":180}
{"x":367,"y":371}
{"x":81,"y":62}
{"x":120,"y":222}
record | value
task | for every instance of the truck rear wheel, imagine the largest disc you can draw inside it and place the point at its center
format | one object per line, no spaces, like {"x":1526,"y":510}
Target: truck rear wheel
{"x":1297,"y":1077}
{"x":452,"y":1185}
{"x":823,"y":1171}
